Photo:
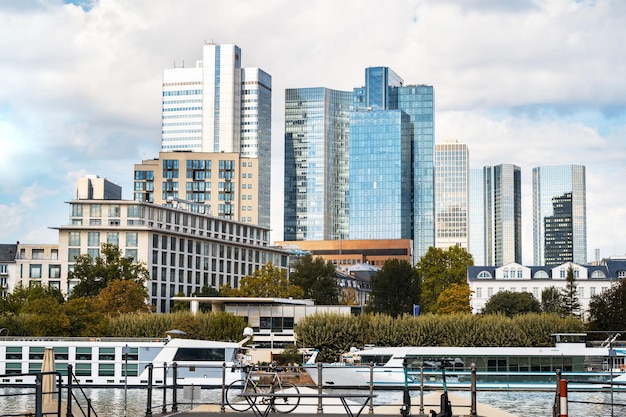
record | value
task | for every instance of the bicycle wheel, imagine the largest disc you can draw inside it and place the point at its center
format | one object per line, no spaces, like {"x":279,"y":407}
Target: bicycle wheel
{"x":285,"y":405}
{"x":235,"y":400}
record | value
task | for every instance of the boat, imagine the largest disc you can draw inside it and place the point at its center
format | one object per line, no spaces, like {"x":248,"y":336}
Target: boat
{"x":119,"y":362}
{"x":496,"y":367}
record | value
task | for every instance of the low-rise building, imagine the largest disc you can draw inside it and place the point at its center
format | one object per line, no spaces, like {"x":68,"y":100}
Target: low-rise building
{"x":486,"y":281}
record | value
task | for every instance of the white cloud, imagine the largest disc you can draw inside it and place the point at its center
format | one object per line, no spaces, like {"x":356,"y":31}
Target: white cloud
{"x":528,"y":82}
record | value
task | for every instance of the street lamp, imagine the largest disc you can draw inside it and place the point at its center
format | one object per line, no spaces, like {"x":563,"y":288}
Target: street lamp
{"x":4,"y":328}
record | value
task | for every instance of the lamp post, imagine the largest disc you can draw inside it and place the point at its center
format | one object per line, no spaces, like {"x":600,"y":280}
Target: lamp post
{"x":4,"y":328}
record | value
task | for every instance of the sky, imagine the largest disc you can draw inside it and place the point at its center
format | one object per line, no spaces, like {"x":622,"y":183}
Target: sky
{"x":524,"y":82}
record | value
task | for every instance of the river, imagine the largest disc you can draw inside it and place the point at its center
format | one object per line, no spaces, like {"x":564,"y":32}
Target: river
{"x":110,"y":402}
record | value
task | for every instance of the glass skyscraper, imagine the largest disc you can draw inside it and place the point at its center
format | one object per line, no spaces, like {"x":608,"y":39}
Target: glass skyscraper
{"x":451,"y":195}
{"x":316,"y":164}
{"x":503,"y":214}
{"x":559,"y":215}
{"x":389,"y":156}
{"x":477,"y":215}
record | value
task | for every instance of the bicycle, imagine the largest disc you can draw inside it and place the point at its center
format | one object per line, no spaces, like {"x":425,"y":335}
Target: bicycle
{"x":252,"y":385}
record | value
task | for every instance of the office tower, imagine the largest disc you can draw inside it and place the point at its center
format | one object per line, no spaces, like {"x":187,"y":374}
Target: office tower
{"x":218,"y":107}
{"x":477,"y":215}
{"x":316,"y":164}
{"x":451,"y":195}
{"x":503,"y":214}
{"x":559,"y":215}
{"x":391,"y":133}
{"x":94,"y":187}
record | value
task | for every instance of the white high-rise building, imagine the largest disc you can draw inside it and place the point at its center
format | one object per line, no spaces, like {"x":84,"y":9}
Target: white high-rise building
{"x":220,"y":107}
{"x":451,"y":194}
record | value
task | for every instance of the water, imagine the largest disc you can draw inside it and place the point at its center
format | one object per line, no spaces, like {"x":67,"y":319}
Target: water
{"x":113,"y":402}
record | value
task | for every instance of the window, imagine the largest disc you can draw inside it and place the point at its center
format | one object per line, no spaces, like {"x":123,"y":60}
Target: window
{"x":114,"y":211}
{"x":76,"y":210}
{"x":479,"y":292}
{"x":93,"y":252}
{"x":35,"y":271}
{"x":131,"y":253}
{"x":93,"y":239}
{"x":55,"y":271}
{"x":106,"y":369}
{"x":37,"y":254}
{"x":95,"y":210}
{"x":484,"y":275}
{"x":74,"y":239}
{"x":131,"y":239}
{"x":113,"y":238}
{"x":106,"y":354}
{"x":72,"y":254}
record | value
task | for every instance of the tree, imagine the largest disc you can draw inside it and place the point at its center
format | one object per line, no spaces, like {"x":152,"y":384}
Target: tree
{"x":27,"y":299}
{"x":571,"y":305}
{"x":317,"y":279}
{"x":205,"y":291}
{"x":512,"y":303}
{"x":95,"y":274}
{"x":395,"y":288}
{"x":607,"y":310}
{"x":85,"y":320}
{"x":439,"y":269}
{"x":122,"y":296}
{"x":454,"y":299}
{"x":269,"y":281}
{"x":552,"y":301}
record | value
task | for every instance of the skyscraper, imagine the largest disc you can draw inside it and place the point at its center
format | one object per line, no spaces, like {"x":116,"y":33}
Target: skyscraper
{"x":559,"y":215}
{"x":503,"y":214}
{"x":389,"y":156}
{"x":217,"y":107}
{"x":316,"y":163}
{"x":451,"y":194}
{"x":477,"y":215}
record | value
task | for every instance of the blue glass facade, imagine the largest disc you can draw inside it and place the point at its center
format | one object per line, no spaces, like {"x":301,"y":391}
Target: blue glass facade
{"x":316,"y":164}
{"x":380,"y":175}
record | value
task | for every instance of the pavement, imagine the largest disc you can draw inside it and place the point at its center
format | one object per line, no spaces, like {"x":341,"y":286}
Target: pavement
{"x":332,"y":407}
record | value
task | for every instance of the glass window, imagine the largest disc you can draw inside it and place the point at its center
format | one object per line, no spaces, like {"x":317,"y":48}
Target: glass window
{"x":55,"y":271}
{"x":35,"y":271}
{"x":131,"y":239}
{"x":131,"y":253}
{"x":106,"y":369}
{"x":74,"y":239}
{"x":114,"y":211}
{"x":107,"y":354}
{"x":37,"y":253}
{"x":72,"y":254}
{"x":83,"y":369}
{"x":113,"y":238}
{"x":95,"y":210}
{"x":93,"y":239}
{"x":93,"y":252}
{"x":77,"y":210}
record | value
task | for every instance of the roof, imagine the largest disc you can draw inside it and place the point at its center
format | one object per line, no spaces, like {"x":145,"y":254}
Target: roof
{"x":8,"y":252}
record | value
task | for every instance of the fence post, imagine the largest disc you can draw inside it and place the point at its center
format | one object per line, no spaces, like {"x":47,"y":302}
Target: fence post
{"x":164,"y":408}
{"x":70,"y":377}
{"x":175,"y":387}
{"x":149,"y":401}
{"x":222,"y":403}
{"x":421,"y":388}
{"x":38,"y":395}
{"x":371,"y":409}
{"x":320,"y":409}
{"x":473,"y":390}
{"x":563,"y":398}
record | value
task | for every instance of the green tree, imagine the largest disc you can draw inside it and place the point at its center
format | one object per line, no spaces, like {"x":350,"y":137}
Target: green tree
{"x":122,"y":296}
{"x":571,"y":305}
{"x":552,"y":300}
{"x":439,"y":269}
{"x":607,"y":310}
{"x":512,"y":303}
{"x":180,"y":305}
{"x":85,"y":320}
{"x":454,"y":299}
{"x":269,"y":281}
{"x":395,"y":289}
{"x":27,"y":299}
{"x":205,"y":291}
{"x":95,"y":274}
{"x":317,"y":279}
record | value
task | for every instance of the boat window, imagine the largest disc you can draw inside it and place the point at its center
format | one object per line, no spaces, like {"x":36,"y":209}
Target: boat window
{"x":376,"y":359}
{"x":107,"y":354}
{"x":200,"y":354}
{"x":133,"y":355}
{"x":83,"y":369}
{"x":36,"y":353}
{"x":132,"y":369}
{"x":13,"y":368}
{"x":83,"y":353}
{"x":61,"y":353}
{"x":106,"y":369}
{"x":14,"y":352}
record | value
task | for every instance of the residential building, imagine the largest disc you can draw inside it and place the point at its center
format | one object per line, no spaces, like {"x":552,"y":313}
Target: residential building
{"x":225,"y":185}
{"x":503,"y":214}
{"x":8,"y":254}
{"x":559,"y":215}
{"x":220,"y":107}
{"x":389,"y":176}
{"x":38,"y":264}
{"x":93,"y":187}
{"x":316,"y":164}
{"x":182,"y":250}
{"x":451,"y":164}
{"x":590,"y":280}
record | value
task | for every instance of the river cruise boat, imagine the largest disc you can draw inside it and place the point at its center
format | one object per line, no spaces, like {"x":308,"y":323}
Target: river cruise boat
{"x":106,"y":362}
{"x":496,"y":367}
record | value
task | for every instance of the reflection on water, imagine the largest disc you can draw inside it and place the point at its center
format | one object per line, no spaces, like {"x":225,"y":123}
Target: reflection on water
{"x":112,"y":402}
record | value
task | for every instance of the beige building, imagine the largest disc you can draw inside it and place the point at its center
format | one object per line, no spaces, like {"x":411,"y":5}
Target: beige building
{"x":38,"y":264}
{"x":224,"y":185}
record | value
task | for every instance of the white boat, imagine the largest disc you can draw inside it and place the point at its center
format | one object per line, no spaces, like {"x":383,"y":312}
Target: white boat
{"x":496,"y":367}
{"x":103,"y":362}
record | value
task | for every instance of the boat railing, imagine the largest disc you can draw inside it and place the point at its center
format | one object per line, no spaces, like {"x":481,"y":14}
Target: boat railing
{"x":566,"y":389}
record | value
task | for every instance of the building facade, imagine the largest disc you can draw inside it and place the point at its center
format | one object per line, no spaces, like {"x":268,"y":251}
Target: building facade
{"x":451,"y":164}
{"x":38,"y":264}
{"x":183,"y":251}
{"x":503,"y":214}
{"x":590,"y":280}
{"x":8,"y":255}
{"x":477,"y":215}
{"x":559,"y":215}
{"x":388,"y":169}
{"x":220,"y":107}
{"x":316,"y":164}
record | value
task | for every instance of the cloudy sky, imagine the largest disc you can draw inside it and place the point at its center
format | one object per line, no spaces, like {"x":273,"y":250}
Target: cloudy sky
{"x":527,"y":82}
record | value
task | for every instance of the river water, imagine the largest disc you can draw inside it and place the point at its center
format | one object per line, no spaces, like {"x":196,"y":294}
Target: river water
{"x":112,"y":402}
